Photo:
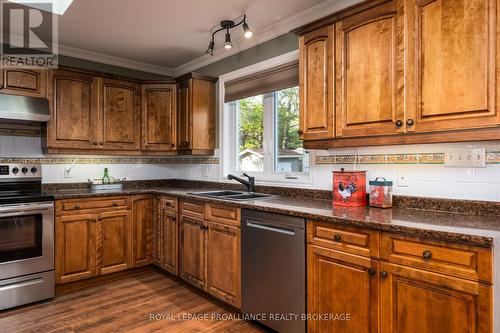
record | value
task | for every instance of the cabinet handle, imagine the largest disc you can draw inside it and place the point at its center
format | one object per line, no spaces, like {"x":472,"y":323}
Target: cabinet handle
{"x":168,"y":204}
{"x":95,"y":143}
{"x":300,"y":132}
{"x":427,"y":254}
{"x":398,"y":123}
{"x":409,"y":122}
{"x":77,"y":206}
{"x":99,"y":218}
{"x":101,"y":143}
{"x":174,"y":218}
{"x":383,"y":274}
{"x":94,"y":219}
{"x":337,"y":237}
{"x":115,"y":204}
{"x":371,"y":271}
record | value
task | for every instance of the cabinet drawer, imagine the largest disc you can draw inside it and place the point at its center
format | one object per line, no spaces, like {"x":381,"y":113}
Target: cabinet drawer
{"x":168,"y":203}
{"x":194,"y":209}
{"x":223,"y":214}
{"x":474,"y":263}
{"x":347,"y":239}
{"x":72,"y":206}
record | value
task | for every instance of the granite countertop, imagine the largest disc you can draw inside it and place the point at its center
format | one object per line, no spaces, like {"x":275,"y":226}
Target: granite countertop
{"x":468,"y":229}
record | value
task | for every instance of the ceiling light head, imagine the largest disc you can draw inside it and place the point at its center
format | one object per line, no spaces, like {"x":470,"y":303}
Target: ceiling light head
{"x":227,"y":42}
{"x":248,"y":33}
{"x":210,"y":49}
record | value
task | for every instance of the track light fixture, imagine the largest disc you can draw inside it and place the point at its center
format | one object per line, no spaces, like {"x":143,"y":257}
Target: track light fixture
{"x":227,"y":25}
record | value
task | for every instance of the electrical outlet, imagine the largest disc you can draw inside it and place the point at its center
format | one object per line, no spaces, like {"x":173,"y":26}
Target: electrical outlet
{"x":402,"y":178}
{"x":465,"y":157}
{"x":67,"y":172}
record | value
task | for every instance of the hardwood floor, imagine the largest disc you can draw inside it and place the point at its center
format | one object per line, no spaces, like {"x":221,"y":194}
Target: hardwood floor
{"x":125,"y":306}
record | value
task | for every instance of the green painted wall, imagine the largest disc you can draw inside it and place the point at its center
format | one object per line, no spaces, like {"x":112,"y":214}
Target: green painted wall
{"x":273,"y":48}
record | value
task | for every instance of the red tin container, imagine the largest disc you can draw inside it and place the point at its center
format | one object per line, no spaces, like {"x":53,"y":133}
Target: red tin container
{"x":349,"y":188}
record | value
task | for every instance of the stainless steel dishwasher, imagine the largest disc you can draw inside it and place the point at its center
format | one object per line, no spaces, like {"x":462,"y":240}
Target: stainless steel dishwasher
{"x":273,"y":270}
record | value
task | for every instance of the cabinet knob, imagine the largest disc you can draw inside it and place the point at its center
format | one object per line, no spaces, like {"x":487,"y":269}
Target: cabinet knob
{"x":95,"y":143}
{"x":77,"y":206}
{"x":115,"y":204}
{"x":300,"y":132}
{"x":409,"y":122}
{"x":337,"y":237}
{"x":383,"y":274}
{"x":174,"y":218}
{"x":94,"y":219}
{"x":371,"y":271}
{"x":101,"y":143}
{"x":398,"y":123}
{"x":427,"y":254}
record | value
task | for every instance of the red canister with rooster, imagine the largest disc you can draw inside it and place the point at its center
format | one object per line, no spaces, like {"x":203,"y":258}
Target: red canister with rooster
{"x":349,"y":188}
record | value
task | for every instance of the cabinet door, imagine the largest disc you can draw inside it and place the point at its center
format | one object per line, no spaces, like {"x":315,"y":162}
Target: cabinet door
{"x":184,"y":114}
{"x":414,"y":300}
{"x":120,"y":121}
{"x":370,"y":72}
{"x":114,"y":241}
{"x":73,"y":98}
{"x":340,"y":283}
{"x":316,"y":74}
{"x":142,"y":225}
{"x":24,"y":82}
{"x":452,"y":52}
{"x":192,"y":251}
{"x":75,"y":237}
{"x":223,"y":263}
{"x":157,"y":234}
{"x":159,"y":109}
{"x":169,"y":243}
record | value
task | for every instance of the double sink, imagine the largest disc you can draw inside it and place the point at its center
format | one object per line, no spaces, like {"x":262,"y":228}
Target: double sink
{"x":232,"y":195}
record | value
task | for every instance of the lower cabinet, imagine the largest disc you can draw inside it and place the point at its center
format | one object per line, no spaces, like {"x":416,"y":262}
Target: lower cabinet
{"x":142,"y":230}
{"x":342,"y":284}
{"x":166,"y":235}
{"x":426,"y":294}
{"x":113,"y":241}
{"x":193,"y":251}
{"x":223,"y":262}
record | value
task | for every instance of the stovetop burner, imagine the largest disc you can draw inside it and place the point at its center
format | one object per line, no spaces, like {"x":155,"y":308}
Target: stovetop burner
{"x":21,"y":183}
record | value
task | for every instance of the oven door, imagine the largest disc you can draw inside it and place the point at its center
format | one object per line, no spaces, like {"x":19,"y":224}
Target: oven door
{"x":26,"y":239}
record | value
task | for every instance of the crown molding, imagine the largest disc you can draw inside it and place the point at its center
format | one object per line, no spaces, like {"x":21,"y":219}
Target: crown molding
{"x":272,"y":31}
{"x":113,"y":60}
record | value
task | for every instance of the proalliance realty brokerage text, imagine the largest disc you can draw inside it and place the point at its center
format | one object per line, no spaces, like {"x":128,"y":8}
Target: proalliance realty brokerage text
{"x":257,"y":317}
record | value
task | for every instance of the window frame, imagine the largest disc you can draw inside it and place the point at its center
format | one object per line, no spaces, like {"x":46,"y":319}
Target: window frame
{"x":229,"y":132}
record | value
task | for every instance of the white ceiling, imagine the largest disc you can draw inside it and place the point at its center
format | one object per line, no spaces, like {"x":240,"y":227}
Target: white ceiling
{"x":170,"y":36}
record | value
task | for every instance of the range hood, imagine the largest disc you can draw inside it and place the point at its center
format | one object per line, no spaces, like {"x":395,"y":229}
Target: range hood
{"x":22,"y":109}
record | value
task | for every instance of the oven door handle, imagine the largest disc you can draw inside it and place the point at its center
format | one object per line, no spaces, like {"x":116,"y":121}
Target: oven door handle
{"x":16,"y":210}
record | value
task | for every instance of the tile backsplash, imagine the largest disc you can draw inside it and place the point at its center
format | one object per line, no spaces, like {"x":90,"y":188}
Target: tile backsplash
{"x":423,"y":178}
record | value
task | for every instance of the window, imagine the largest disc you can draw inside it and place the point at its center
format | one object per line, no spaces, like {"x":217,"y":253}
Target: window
{"x":267,"y":140}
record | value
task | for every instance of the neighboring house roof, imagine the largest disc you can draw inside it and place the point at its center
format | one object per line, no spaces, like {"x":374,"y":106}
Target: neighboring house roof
{"x":260,"y":152}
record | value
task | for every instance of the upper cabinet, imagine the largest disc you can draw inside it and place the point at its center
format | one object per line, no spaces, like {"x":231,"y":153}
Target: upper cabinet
{"x":120,"y":118}
{"x":403,"y":70}
{"x":452,"y":52}
{"x":159,"y":117}
{"x":316,"y":75}
{"x":73,"y":99}
{"x":26,"y":82}
{"x":196,"y":115}
{"x":369,"y":59}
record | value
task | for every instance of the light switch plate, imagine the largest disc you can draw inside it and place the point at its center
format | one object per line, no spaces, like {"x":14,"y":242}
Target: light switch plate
{"x":465,"y":157}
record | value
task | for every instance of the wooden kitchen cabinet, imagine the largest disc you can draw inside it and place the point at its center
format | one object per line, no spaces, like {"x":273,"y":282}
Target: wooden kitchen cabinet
{"x":192,"y":251}
{"x":75,"y":247}
{"x":196,"y":115}
{"x":452,"y":55}
{"x":24,"y":82}
{"x":167,"y":235}
{"x":341,"y":283}
{"x":159,"y":117}
{"x":142,"y":230}
{"x":119,"y":126}
{"x":224,"y":262}
{"x":369,"y":84}
{"x":73,"y":100}
{"x":114,"y":241}
{"x":316,"y":76}
{"x":414,"y":300}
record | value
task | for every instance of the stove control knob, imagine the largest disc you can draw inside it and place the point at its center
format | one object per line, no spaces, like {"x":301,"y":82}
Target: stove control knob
{"x":34,"y":170}
{"x":15,"y":170}
{"x":24,"y":170}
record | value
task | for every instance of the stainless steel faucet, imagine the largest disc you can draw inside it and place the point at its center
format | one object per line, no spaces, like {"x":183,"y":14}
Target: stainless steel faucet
{"x":250,"y":183}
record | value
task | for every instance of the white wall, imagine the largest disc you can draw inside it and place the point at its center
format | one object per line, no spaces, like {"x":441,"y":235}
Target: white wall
{"x":423,"y":180}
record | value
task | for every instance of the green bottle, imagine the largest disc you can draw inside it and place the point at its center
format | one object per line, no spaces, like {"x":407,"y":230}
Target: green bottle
{"x":105,"y":178}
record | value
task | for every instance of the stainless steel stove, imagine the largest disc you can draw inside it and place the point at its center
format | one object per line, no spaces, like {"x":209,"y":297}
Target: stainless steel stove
{"x":26,"y":236}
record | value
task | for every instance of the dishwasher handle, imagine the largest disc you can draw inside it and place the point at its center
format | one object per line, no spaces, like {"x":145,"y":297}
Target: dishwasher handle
{"x":263,"y":226}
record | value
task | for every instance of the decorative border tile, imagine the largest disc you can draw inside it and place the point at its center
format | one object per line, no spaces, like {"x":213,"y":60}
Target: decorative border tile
{"x":100,"y":160}
{"x":416,"y":158}
{"x":20,"y":132}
